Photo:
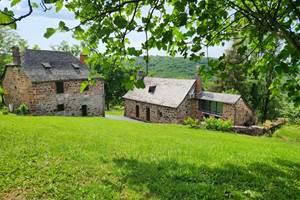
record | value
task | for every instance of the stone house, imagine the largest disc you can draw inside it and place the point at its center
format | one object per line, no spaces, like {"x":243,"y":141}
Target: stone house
{"x":49,"y":82}
{"x":166,"y":100}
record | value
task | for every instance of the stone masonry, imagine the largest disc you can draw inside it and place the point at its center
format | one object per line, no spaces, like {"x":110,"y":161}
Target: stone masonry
{"x":42,"y":97}
{"x":234,"y":108}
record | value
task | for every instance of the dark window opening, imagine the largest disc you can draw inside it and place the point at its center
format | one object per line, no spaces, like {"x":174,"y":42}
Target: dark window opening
{"x":60,"y":107}
{"x":211,"y":107}
{"x":137,"y":111}
{"x":159,"y":114}
{"x":59,"y":87}
{"x":152,"y":89}
{"x":84,"y":110}
{"x":148,"y":114}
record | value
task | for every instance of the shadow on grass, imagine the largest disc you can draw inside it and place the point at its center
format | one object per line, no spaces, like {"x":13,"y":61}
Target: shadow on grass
{"x":171,"y":180}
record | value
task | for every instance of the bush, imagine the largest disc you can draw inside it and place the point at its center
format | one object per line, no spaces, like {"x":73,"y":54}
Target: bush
{"x":193,"y":123}
{"x":291,"y":112}
{"x":217,"y":124}
{"x":4,"y":111}
{"x":23,"y":109}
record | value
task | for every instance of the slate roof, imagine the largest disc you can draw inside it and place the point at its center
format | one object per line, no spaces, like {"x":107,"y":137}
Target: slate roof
{"x":33,"y":62}
{"x":168,"y":92}
{"x":219,"y":97}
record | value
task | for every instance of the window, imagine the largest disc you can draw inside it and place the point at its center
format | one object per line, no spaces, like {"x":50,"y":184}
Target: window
{"x":46,"y":65}
{"x":211,"y":107}
{"x":59,"y":87}
{"x":159,"y":113}
{"x":151,"y":89}
{"x":60,"y":107}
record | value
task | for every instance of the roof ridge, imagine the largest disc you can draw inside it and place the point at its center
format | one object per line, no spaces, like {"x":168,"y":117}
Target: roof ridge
{"x":46,"y":50}
{"x":223,"y":93}
{"x":171,"y":78}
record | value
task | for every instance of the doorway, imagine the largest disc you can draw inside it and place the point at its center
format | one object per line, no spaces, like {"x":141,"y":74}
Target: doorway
{"x":84,"y":110}
{"x":137,"y":111}
{"x":148,"y":114}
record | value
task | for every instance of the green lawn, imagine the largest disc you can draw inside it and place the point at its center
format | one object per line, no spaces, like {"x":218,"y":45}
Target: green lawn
{"x":117,"y":110}
{"x":93,"y":158}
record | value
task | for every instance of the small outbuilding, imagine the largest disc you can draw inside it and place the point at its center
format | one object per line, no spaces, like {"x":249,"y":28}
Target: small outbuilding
{"x":166,"y":100}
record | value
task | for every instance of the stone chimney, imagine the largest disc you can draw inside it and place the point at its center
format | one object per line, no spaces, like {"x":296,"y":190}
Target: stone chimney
{"x":140,"y":75}
{"x":198,"y":86}
{"x":83,"y":58}
{"x":16,"y":55}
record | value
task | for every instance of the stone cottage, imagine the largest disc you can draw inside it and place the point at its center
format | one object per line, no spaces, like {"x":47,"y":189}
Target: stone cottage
{"x":49,"y":82}
{"x":166,"y":100}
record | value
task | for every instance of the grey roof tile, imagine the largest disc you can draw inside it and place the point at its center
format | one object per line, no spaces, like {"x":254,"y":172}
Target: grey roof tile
{"x":61,"y":66}
{"x":168,"y":92}
{"x":219,"y":97}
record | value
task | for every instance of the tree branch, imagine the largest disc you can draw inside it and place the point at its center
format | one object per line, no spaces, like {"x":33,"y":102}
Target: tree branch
{"x":19,"y":18}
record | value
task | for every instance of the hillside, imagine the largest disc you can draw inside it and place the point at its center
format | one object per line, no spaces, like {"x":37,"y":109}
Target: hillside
{"x":169,"y":67}
{"x":94,"y":158}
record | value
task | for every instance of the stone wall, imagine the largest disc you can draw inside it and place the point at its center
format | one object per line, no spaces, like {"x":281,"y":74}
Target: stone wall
{"x":239,"y":113}
{"x":42,"y":98}
{"x":16,"y":86}
{"x":158,"y":114}
{"x":46,"y":99}
{"x":244,"y":115}
{"x":189,"y":108}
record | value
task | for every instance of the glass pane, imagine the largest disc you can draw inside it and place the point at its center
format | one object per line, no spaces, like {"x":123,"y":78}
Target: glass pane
{"x":219,"y":108}
{"x":213,"y":107}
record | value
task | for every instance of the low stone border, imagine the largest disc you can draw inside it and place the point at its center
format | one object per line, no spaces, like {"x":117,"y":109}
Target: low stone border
{"x":259,"y":130}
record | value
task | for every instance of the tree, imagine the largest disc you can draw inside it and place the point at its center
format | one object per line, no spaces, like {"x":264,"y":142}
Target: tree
{"x":8,"y":39}
{"x":119,"y":77}
{"x":250,"y":78}
{"x":36,"y":47}
{"x":65,"y":46}
{"x":186,"y":27}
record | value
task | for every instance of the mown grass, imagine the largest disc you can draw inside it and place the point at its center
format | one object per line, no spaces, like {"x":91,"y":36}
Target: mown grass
{"x":93,"y":158}
{"x":117,"y":111}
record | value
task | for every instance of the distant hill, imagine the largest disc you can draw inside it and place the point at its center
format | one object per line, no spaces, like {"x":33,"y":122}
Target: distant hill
{"x":171,"y":67}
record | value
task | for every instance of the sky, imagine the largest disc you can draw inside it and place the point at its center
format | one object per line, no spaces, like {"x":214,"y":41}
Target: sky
{"x":33,"y":28}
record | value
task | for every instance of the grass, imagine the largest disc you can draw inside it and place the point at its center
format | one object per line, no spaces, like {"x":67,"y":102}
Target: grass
{"x":289,"y":133}
{"x":116,"y":110}
{"x":94,"y":158}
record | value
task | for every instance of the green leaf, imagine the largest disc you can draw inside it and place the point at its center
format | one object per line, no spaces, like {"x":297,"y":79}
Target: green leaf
{"x":50,"y":1}
{"x":133,"y":52}
{"x":4,"y":18}
{"x":85,"y":50}
{"x":83,"y":86}
{"x":62,"y":26}
{"x":34,"y":5}
{"x":59,"y":4}
{"x":14,"y":2}
{"x":49,"y":32}
{"x":120,"y":21}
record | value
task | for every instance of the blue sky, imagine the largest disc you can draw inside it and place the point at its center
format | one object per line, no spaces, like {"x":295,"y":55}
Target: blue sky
{"x":33,"y":28}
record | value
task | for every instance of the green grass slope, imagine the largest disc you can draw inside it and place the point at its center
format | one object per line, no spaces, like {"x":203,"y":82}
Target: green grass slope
{"x":93,"y":158}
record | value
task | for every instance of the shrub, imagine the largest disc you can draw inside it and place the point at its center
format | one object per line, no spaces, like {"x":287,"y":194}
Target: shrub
{"x":193,"y":123}
{"x":217,"y":124}
{"x":291,"y":112}
{"x":4,"y":111}
{"x":23,"y":109}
